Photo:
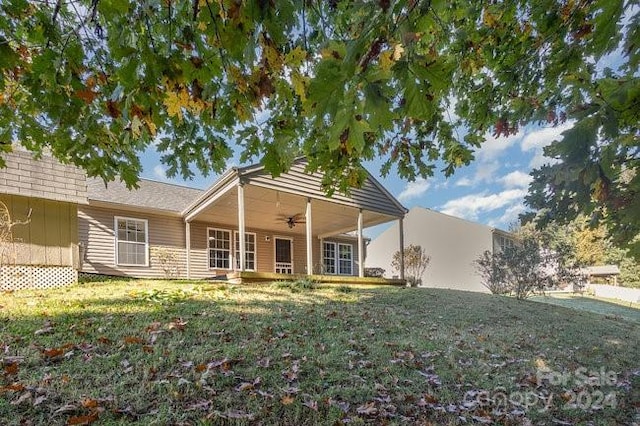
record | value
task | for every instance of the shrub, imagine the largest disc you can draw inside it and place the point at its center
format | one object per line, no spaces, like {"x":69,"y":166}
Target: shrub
{"x":416,"y":261}
{"x":303,"y":284}
{"x":374,"y":272}
{"x":529,"y":266}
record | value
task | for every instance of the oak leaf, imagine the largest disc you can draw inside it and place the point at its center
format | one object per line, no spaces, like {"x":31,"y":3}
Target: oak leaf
{"x":287,"y":400}
{"x":11,"y":369}
{"x":82,"y":420}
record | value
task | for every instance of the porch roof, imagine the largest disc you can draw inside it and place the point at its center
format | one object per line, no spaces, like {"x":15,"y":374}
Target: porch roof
{"x":270,"y":201}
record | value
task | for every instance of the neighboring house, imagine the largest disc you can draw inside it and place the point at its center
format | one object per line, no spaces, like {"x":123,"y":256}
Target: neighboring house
{"x":601,"y":274}
{"x":453,"y":244}
{"x":289,"y":226}
{"x":41,"y":252}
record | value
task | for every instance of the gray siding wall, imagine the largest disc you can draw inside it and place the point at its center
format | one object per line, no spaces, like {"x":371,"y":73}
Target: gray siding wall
{"x":96,"y":233}
{"x":44,"y":178}
{"x":297,"y":181}
{"x":452,"y":243}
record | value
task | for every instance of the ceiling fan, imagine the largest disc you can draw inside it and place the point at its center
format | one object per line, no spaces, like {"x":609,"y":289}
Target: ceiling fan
{"x":291,"y":220}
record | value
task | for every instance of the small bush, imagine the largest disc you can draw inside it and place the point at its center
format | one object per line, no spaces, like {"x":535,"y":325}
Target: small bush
{"x":374,"y":272}
{"x":162,"y":297}
{"x":304,"y":284}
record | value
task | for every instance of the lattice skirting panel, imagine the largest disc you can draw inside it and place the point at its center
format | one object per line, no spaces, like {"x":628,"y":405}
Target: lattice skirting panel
{"x":27,"y":277}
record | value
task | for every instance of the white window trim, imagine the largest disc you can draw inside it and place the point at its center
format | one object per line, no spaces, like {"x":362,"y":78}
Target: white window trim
{"x":338,"y":269}
{"x":279,"y":237}
{"x":336,"y":259}
{"x":146,"y":242}
{"x":255,"y":249}
{"x":231,"y":250}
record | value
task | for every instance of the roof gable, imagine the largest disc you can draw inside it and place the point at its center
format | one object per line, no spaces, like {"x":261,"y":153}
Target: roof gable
{"x":371,"y":196}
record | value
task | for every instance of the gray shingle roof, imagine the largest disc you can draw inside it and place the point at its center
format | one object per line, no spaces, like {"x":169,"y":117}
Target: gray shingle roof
{"x":150,"y":194}
{"x":603,"y":270}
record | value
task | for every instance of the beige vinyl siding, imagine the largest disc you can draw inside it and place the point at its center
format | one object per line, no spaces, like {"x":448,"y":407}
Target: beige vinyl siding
{"x":296,"y":181}
{"x":96,"y":233}
{"x":96,"y":229}
{"x":265,"y":260}
{"x":51,"y":236}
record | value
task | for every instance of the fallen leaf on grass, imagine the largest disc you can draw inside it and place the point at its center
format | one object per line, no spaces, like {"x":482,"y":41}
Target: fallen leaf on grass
{"x":177,"y":324}
{"x":90,"y":403}
{"x":46,"y":329}
{"x":248,"y":386}
{"x":367,"y":409}
{"x":39,"y":400}
{"x":154,"y":326}
{"x":287,"y":400}
{"x":11,"y":369}
{"x":82,"y":420}
{"x":69,"y":408}
{"x":24,"y":397}
{"x":132,"y":340}
{"x":104,"y":340}
{"x":15,"y":387}
{"x":264,"y":362}
{"x":311,"y":404}
{"x":53,"y":353}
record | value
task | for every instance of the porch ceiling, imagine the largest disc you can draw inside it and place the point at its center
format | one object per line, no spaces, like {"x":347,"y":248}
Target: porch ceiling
{"x":267,"y":209}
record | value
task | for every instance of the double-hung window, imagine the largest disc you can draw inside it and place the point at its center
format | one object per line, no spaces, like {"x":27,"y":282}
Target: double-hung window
{"x":329,"y":256}
{"x":249,"y":251}
{"x":132,"y":242}
{"x":337,"y":258}
{"x":219,"y":242}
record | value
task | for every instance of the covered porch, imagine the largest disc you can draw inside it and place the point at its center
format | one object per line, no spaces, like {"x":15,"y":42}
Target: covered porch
{"x":256,"y":224}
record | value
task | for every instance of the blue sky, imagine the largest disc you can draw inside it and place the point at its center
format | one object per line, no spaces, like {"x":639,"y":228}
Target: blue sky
{"x":489,"y":191}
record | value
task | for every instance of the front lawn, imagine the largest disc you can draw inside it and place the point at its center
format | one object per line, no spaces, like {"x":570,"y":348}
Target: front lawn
{"x":187,"y":353}
{"x":608,"y":307}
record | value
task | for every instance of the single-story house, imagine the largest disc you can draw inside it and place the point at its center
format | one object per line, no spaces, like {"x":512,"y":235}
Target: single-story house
{"x":452,"y":243}
{"x":602,"y":273}
{"x":247,"y":221}
{"x":39,"y":202}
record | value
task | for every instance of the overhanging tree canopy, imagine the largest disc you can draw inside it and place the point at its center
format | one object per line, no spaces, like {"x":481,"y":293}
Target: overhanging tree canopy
{"x":98,"y":81}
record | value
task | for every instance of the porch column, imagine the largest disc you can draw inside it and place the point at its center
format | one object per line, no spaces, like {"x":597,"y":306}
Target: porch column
{"x":401,"y":238}
{"x":360,"y":246}
{"x":241,"y":228}
{"x":187,"y":231}
{"x":309,"y":239}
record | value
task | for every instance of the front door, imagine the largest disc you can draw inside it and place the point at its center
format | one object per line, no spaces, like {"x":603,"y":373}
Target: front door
{"x":284,"y":261}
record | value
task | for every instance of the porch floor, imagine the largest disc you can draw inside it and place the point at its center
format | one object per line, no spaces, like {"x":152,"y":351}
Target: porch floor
{"x":248,"y":277}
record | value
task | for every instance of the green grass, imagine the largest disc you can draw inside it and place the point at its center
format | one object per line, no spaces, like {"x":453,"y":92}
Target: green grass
{"x":609,"y":307}
{"x":190,"y":353}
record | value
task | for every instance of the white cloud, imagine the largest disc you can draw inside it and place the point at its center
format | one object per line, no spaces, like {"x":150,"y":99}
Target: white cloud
{"x":538,"y":139}
{"x":509,"y":217}
{"x":493,"y":146}
{"x":470,"y":206}
{"x":414,"y":189}
{"x":485,"y":171}
{"x":516,"y":179}
{"x":160,"y":172}
{"x":465,"y":181}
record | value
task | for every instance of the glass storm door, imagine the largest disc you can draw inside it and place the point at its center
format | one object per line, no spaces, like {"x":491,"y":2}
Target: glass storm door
{"x":284,"y":261}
